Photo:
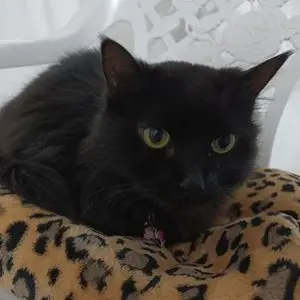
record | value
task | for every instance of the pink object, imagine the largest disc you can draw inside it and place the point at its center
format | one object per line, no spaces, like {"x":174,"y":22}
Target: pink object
{"x":153,"y":234}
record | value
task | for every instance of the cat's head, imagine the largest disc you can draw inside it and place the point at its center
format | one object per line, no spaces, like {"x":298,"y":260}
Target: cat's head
{"x":185,"y":132}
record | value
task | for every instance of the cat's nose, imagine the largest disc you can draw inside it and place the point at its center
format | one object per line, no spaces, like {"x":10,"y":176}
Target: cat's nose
{"x":193,"y":182}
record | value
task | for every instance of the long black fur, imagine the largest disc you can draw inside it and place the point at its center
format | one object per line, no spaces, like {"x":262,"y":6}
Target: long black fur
{"x":69,"y":141}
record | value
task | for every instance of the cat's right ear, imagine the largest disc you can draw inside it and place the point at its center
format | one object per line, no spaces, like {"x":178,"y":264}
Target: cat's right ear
{"x":119,"y":66}
{"x":259,"y":76}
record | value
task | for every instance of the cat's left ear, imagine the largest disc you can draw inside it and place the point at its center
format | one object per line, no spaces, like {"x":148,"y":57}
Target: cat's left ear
{"x":119,"y":66}
{"x":259,"y":76}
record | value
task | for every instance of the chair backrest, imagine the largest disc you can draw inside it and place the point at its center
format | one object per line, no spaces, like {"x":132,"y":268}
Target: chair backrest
{"x":220,"y":33}
{"x":217,"y":33}
{"x":89,"y":20}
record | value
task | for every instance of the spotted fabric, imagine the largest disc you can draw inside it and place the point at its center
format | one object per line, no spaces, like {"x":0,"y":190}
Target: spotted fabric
{"x":252,"y":252}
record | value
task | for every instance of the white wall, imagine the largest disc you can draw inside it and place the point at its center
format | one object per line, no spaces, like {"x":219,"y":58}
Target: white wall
{"x":286,"y":149}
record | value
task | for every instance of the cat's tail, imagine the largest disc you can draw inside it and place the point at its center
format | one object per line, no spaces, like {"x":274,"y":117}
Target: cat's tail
{"x":37,"y":184}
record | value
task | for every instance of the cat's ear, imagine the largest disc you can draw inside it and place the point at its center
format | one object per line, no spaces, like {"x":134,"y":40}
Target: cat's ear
{"x":259,"y":76}
{"x":119,"y":66}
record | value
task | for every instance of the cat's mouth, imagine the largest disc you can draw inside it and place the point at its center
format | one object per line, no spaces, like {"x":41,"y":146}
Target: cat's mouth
{"x":174,"y":196}
{"x":187,"y":199}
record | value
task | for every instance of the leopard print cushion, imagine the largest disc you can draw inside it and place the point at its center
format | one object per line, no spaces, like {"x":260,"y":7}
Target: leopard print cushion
{"x":252,"y":253}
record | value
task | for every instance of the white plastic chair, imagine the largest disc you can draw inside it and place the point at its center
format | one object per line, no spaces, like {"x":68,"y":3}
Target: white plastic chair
{"x":92,"y":17}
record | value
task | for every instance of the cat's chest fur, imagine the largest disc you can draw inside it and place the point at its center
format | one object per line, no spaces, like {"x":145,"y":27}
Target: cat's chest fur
{"x":135,"y":212}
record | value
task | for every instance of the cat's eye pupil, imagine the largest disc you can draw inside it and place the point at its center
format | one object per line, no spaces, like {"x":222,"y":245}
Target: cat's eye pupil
{"x":156,"y":135}
{"x":155,"y":138}
{"x":223,"y":144}
{"x":224,"y":141}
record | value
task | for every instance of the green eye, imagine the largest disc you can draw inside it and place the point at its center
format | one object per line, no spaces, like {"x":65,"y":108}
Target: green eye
{"x":223,"y":144}
{"x":155,"y":138}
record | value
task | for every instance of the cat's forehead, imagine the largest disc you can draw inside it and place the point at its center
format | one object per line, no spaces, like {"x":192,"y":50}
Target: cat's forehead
{"x":192,"y":86}
{"x":180,"y":115}
{"x":191,"y":76}
{"x":182,"y":94}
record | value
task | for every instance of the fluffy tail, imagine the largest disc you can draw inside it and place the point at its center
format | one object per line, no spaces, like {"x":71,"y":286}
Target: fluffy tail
{"x":37,"y":184}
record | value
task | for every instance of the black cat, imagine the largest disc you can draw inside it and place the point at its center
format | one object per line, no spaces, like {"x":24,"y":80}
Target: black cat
{"x":109,"y":140}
